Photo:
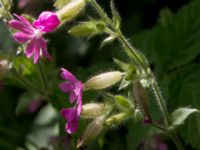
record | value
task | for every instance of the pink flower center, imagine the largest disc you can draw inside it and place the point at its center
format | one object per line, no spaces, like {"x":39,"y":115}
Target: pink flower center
{"x":38,"y":33}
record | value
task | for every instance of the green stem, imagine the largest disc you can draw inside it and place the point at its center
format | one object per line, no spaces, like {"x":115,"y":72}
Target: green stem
{"x":27,"y":83}
{"x":42,"y":76}
{"x":172,"y":135}
{"x":131,"y":50}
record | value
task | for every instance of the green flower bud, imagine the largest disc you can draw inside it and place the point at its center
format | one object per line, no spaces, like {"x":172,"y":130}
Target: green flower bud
{"x":123,"y":102}
{"x":116,"y":119}
{"x":6,"y":4}
{"x":71,"y":10}
{"x":88,"y":28}
{"x":103,"y":80}
{"x":139,"y":115}
{"x":93,"y":110}
{"x":92,"y":131}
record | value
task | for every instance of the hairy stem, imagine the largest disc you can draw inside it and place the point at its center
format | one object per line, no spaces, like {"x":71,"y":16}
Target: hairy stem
{"x":131,"y":50}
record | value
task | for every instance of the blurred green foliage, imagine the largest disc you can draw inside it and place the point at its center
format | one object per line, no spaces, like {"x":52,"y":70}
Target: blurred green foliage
{"x":167,"y":32}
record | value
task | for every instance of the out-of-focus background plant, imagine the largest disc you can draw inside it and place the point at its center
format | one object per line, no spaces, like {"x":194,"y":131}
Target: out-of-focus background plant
{"x":167,"y":32}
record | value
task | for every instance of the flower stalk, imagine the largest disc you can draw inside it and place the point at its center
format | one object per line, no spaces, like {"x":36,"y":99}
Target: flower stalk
{"x":130,"y":50}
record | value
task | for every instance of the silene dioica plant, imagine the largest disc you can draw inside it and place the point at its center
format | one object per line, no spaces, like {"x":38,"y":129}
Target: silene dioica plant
{"x":123,"y":92}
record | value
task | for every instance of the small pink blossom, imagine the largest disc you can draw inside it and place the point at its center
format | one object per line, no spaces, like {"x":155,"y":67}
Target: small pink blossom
{"x":75,"y":88}
{"x":32,"y":34}
{"x":70,"y":114}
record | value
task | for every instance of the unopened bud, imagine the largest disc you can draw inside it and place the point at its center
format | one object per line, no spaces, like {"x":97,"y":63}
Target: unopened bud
{"x":71,"y":10}
{"x":116,"y":119}
{"x":103,"y":80}
{"x":141,"y":98}
{"x":88,"y":28}
{"x":123,"y":102}
{"x":138,"y":115}
{"x":6,"y":4}
{"x":3,"y":68}
{"x":92,"y":131}
{"x":93,"y":110}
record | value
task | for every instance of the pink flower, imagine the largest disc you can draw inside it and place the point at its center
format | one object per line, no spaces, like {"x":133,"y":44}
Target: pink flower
{"x":75,"y":88}
{"x":32,"y":34}
{"x":70,"y":114}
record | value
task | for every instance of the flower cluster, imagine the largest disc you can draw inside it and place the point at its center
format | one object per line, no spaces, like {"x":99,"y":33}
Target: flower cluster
{"x":32,"y":34}
{"x":75,"y":88}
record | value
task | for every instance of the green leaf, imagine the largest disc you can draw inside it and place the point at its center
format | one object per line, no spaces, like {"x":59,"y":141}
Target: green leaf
{"x":181,"y":114}
{"x":184,"y":90}
{"x":24,"y":102}
{"x":190,"y":131}
{"x":88,"y":28}
{"x":175,"y":41}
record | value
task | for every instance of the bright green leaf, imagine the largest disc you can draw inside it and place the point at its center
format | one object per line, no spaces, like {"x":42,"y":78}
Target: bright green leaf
{"x":181,"y":114}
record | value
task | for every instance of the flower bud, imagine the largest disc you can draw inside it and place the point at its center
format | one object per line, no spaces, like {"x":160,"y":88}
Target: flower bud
{"x":92,"y":131}
{"x":138,"y":115}
{"x":88,"y":28}
{"x":3,"y":68}
{"x":123,"y":102}
{"x":103,"y":80}
{"x":141,"y":98}
{"x":71,"y":10}
{"x":6,"y":4}
{"x":93,"y":110}
{"x":116,"y":119}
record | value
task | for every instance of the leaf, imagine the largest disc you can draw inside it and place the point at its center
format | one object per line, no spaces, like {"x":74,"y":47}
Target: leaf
{"x":175,"y":41}
{"x":190,"y":131}
{"x":25,"y":101}
{"x":184,"y":91}
{"x":181,"y":114}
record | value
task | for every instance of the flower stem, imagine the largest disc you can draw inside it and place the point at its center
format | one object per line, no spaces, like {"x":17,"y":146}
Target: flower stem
{"x":131,"y":50}
{"x":27,"y":83}
{"x":42,"y":76}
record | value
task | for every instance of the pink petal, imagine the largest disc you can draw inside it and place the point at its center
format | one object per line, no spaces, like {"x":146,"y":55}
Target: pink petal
{"x":70,"y":114}
{"x":66,"y":75}
{"x":79,"y":107}
{"x":30,"y":48}
{"x":47,"y":21}
{"x":72,"y":126}
{"x":66,"y":87}
{"x":22,"y":37}
{"x":43,"y":45}
{"x":36,"y":52}
{"x":18,"y":25}
{"x":72,"y":97}
{"x":24,"y":20}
